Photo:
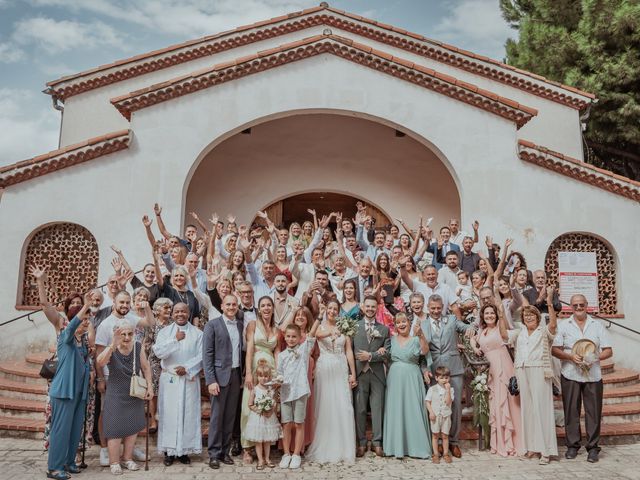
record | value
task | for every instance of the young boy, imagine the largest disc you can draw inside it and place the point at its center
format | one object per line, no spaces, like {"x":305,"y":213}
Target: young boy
{"x":293,"y":364}
{"x":464,"y":290}
{"x":439,"y":399}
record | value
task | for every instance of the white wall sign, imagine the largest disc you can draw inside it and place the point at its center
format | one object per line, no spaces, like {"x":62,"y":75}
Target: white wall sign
{"x":578,"y":274}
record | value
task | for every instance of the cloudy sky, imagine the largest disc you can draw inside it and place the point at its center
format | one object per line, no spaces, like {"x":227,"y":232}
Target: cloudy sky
{"x":42,"y":40}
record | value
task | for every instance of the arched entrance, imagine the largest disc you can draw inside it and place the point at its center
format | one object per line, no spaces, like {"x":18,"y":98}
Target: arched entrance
{"x":295,"y":208}
{"x":336,"y":152}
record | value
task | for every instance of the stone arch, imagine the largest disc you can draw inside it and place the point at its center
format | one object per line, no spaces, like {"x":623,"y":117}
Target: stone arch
{"x":197,"y":195}
{"x":605,"y":262}
{"x":69,"y":252}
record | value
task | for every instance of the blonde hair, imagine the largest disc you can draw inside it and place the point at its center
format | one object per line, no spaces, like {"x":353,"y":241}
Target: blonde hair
{"x":263,"y":368}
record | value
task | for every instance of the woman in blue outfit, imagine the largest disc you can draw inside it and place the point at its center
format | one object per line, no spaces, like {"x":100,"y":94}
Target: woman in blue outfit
{"x":350,"y":306}
{"x":406,"y":430}
{"x":68,"y":394}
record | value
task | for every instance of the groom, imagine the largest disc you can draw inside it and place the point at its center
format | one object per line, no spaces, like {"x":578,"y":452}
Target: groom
{"x":371,"y":345}
{"x":222,"y":359}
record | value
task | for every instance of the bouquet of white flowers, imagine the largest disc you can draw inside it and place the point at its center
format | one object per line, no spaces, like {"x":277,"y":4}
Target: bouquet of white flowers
{"x":347,"y":326}
{"x":264,"y":404}
{"x":480,"y":398}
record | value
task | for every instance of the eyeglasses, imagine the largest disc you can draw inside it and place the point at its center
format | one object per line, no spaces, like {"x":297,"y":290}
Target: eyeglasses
{"x":578,"y":305}
{"x":112,"y":282}
{"x":245,"y":293}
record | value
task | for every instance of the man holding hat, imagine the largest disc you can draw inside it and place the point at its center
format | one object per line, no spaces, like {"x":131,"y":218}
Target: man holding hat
{"x":581,"y":344}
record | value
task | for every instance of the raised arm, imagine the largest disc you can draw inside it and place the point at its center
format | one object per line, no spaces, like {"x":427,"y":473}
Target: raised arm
{"x":315,"y":217}
{"x":156,"y":266}
{"x":553,"y":318}
{"x":163,"y":229}
{"x":503,"y":259}
{"x":476,"y":226}
{"x":213,"y":238}
{"x":416,"y":240}
{"x":40,"y":275}
{"x":195,"y":216}
{"x":406,"y":227}
{"x":406,"y":278}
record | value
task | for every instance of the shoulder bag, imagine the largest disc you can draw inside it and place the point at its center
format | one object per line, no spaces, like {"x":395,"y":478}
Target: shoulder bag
{"x":138,"y":387}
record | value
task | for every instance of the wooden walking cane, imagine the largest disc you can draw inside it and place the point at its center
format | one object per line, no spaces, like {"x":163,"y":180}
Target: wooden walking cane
{"x":84,"y":437}
{"x":146,"y":452}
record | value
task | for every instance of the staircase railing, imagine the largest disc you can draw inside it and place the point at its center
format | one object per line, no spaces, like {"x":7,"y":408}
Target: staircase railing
{"x":59,"y":302}
{"x":609,"y":321}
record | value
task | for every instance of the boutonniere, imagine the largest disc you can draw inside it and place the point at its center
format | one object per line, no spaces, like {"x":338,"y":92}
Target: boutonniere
{"x":376,"y":334}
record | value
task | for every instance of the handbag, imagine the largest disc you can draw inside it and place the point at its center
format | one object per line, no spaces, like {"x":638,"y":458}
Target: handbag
{"x":513,"y":386}
{"x":49,"y":368}
{"x":138,"y":386}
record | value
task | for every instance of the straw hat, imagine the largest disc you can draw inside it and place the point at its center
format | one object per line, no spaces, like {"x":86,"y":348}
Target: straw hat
{"x":583,"y":347}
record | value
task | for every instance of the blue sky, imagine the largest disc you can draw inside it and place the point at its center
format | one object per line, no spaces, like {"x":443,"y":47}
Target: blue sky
{"x":41,"y":40}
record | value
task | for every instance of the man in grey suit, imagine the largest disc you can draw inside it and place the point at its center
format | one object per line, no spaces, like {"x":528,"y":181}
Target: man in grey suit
{"x":371,"y":345}
{"x":222,"y":359}
{"x":441,"y":332}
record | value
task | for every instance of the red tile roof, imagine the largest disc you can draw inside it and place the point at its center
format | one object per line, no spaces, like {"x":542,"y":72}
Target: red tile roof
{"x":316,"y":45}
{"x":579,"y":170}
{"x":66,"y":87}
{"x":64,"y":157}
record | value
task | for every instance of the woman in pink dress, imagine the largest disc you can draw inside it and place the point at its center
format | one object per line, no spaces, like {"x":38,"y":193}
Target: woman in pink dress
{"x":504,"y":408}
{"x":303,"y":318}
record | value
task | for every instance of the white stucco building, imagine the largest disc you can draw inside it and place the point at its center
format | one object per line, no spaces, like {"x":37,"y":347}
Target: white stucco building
{"x":314,"y":101}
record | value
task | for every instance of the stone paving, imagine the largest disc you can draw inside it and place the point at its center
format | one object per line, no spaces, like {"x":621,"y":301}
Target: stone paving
{"x":23,"y":459}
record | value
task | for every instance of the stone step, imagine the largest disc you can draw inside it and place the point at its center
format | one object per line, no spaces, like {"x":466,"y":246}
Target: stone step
{"x":610,"y":434}
{"x":606,"y":366}
{"x":37,"y":358}
{"x":620,"y":377}
{"x":21,"y":427}
{"x":21,"y":371}
{"x":629,"y":393}
{"x":23,"y":390}
{"x":16,"y":407}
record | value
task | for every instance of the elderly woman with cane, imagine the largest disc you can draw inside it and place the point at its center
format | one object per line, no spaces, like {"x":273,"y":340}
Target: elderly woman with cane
{"x":68,"y":394}
{"x":124,"y":414}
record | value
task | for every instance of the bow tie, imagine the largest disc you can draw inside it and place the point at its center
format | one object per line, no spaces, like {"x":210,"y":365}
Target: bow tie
{"x":246,"y":309}
{"x":294,"y":351}
{"x":232,"y":323}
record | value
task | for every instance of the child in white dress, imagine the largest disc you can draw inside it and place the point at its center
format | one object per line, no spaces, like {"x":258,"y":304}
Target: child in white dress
{"x":263,"y":427}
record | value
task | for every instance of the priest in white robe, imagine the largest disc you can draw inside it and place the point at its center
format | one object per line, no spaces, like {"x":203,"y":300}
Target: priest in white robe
{"x":179,"y":347}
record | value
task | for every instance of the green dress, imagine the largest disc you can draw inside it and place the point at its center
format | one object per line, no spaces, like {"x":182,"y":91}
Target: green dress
{"x":406,"y":430}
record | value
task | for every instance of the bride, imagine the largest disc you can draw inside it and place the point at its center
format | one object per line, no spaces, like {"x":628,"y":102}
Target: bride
{"x":335,"y":434}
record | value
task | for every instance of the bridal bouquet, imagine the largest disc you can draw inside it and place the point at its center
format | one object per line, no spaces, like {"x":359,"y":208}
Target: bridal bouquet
{"x":264,"y":404}
{"x":347,"y":326}
{"x":480,"y":397}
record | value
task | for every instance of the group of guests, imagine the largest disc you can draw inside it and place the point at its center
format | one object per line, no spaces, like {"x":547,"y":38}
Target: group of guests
{"x":297,"y":336}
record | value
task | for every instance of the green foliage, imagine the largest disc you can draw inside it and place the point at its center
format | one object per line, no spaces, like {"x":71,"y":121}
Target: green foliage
{"x":593,"y":45}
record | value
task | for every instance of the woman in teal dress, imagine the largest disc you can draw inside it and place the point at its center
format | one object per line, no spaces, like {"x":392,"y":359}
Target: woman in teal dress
{"x":350,"y":306}
{"x":406,"y":430}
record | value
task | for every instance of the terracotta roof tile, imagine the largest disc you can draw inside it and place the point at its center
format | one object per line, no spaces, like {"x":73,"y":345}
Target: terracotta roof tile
{"x":332,"y":44}
{"x":579,"y":170}
{"x":321,"y":15}
{"x":64,"y":157}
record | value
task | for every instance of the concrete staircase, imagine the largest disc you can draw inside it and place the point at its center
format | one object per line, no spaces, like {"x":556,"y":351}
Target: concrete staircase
{"x":23,"y":395}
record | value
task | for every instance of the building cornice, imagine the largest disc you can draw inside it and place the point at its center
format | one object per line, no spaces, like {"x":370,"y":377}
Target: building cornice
{"x":579,"y":170}
{"x":325,"y":44}
{"x":69,"y":86}
{"x":64,"y":157}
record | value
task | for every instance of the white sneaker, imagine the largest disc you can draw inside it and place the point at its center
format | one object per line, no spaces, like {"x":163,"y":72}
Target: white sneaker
{"x":295,"y":462}
{"x":116,"y":469}
{"x":138,"y":454}
{"x":130,"y":465}
{"x":104,"y":457}
{"x":284,"y":463}
{"x":467,"y":410}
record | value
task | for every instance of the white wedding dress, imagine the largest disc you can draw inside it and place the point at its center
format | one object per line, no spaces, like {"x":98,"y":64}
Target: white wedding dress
{"x":335,"y":436}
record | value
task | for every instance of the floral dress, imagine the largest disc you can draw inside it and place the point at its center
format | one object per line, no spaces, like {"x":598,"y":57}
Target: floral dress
{"x":150,"y":335}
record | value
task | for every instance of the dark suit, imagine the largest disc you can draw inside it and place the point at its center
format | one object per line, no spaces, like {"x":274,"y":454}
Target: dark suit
{"x":372,"y":383}
{"x":532,"y":296}
{"x":217,"y":358}
{"x":368,"y":282}
{"x":439,"y":254}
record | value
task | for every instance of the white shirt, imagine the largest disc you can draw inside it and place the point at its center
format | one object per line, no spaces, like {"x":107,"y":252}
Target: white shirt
{"x":260,"y":286}
{"x":293,"y":365}
{"x":104,"y":334}
{"x":458,"y":237}
{"x":568,"y":334}
{"x":448,"y":277}
{"x":436,"y":395}
{"x":232,"y":328}
{"x":448,"y":296}
{"x":530,"y":347}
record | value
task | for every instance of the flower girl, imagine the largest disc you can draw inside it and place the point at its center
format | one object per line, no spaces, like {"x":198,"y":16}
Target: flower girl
{"x":263,"y":427}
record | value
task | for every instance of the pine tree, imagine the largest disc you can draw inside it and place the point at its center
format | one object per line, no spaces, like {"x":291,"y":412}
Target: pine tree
{"x":593,"y":45}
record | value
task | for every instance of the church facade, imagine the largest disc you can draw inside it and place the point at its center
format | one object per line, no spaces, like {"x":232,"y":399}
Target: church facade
{"x":313,"y":104}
